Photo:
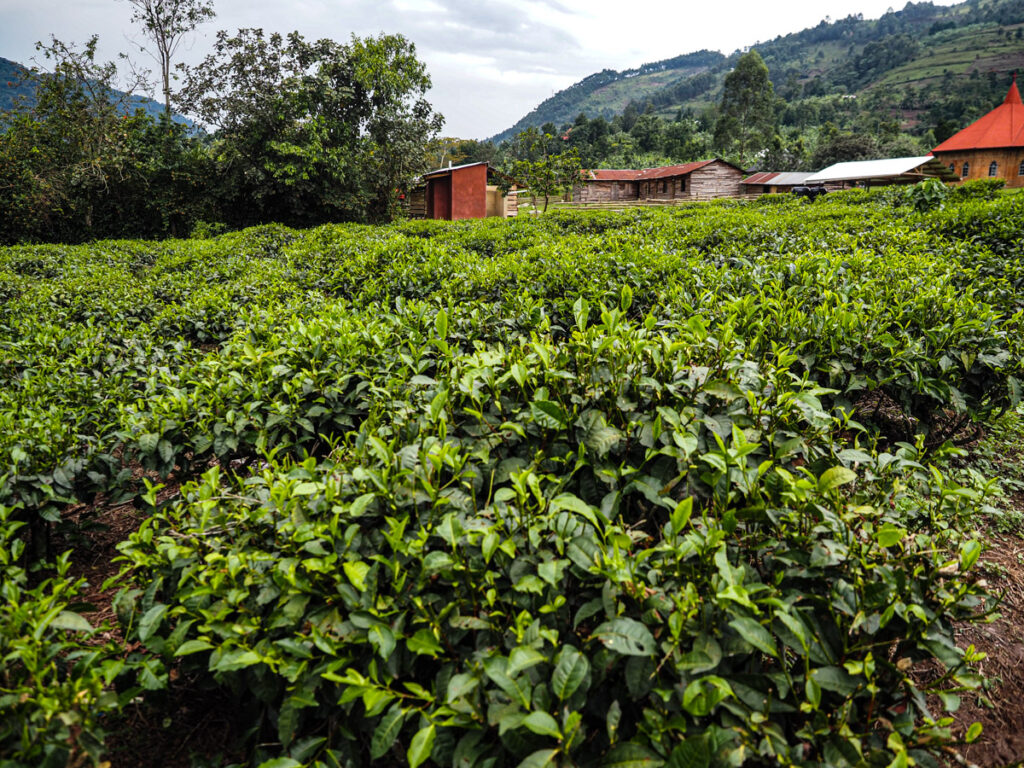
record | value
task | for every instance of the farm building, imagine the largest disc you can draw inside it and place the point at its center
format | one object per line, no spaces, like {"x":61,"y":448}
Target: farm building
{"x":692,"y":181}
{"x":990,"y":147}
{"x":460,"y":192}
{"x":604,"y":186}
{"x":773,"y":182}
{"x":875,"y":173}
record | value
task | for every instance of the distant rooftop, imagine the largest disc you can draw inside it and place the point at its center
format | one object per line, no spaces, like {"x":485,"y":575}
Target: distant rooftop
{"x":881,"y":171}
{"x":778,"y":179}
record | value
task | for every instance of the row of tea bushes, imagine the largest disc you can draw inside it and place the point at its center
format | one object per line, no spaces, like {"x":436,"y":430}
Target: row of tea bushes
{"x":628,"y":546}
{"x":539,"y":399}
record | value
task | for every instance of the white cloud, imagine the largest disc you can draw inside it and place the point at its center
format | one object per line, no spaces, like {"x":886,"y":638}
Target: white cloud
{"x":491,"y":61}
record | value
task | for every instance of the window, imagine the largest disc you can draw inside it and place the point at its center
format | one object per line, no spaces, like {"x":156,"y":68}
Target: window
{"x":664,"y":187}
{"x":1020,"y":171}
{"x":993,"y":169}
{"x":952,"y":167}
{"x":965,"y":170}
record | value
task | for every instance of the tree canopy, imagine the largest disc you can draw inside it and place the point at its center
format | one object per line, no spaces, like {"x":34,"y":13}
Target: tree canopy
{"x":746,"y":121}
{"x":312,"y":131}
{"x":166,"y":23}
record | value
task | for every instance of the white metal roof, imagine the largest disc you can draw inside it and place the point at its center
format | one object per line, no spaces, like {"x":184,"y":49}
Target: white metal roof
{"x":869,"y":169}
{"x":789,"y":179}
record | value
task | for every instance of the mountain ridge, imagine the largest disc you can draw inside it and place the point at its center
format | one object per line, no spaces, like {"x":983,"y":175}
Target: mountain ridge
{"x":15,"y":88}
{"x":915,"y":47}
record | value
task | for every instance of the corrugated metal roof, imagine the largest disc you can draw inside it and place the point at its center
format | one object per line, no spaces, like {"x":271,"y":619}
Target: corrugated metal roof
{"x":611,"y":174}
{"x":1002,"y":127}
{"x":669,"y":171}
{"x":778,"y":179}
{"x":442,"y":171}
{"x":761,"y":178}
{"x":871,"y":169}
{"x":665,"y":172}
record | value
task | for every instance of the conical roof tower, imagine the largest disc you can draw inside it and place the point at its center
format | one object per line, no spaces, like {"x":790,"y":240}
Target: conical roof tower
{"x":1002,"y":128}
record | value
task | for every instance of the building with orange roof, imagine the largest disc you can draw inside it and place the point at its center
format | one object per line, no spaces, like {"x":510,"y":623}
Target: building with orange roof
{"x":991,"y":147}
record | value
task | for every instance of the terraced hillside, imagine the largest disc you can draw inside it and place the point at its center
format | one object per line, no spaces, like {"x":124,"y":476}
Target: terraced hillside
{"x":950,"y":62}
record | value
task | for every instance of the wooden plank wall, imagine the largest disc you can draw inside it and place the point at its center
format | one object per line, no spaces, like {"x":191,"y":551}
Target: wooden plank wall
{"x":715,"y":180}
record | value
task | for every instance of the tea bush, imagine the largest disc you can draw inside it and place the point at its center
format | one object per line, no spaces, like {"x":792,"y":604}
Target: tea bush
{"x":631,"y":547}
{"x":578,"y":489}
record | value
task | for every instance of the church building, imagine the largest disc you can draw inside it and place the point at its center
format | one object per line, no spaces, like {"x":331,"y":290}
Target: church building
{"x":991,"y":147}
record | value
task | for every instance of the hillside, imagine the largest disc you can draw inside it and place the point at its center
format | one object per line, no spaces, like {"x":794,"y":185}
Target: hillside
{"x":14,"y":87}
{"x":608,"y":92}
{"x":909,"y":61}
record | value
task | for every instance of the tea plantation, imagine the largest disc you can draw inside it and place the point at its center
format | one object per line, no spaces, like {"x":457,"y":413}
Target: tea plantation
{"x":653,"y":488}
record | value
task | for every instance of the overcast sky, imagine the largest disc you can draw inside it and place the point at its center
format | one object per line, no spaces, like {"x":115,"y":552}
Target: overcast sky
{"x":491,"y":61}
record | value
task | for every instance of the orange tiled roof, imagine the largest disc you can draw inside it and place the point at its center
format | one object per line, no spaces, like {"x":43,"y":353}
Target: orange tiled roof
{"x":1000,"y":128}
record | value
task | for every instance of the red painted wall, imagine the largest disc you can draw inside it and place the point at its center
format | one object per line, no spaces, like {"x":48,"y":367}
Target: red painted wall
{"x":439,"y":198}
{"x":469,"y":193}
{"x":458,"y":194}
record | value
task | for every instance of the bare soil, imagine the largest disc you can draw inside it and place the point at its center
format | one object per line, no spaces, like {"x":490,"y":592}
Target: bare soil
{"x":1000,"y":709}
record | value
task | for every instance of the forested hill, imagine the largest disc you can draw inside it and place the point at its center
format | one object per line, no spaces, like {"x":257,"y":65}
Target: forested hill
{"x":14,"y":86}
{"x":916,"y":59}
{"x":607,"y":92}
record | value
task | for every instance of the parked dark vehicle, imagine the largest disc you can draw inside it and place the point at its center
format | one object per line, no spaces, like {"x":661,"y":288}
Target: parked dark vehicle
{"x":813,"y":191}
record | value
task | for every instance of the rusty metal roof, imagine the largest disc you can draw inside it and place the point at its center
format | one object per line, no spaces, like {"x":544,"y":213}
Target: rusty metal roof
{"x":665,"y":172}
{"x":670,"y":171}
{"x":609,"y":174}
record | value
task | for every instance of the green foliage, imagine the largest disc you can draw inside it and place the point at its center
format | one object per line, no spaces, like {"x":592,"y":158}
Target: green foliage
{"x":55,"y":682}
{"x":78,"y":167}
{"x":543,"y":174}
{"x":978,"y":189}
{"x":634,"y":514}
{"x":928,"y":195}
{"x":310,"y":132}
{"x":924,"y":66}
{"x":661,"y":487}
{"x":746,"y":120}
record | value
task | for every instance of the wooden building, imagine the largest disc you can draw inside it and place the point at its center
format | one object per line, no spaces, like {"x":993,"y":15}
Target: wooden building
{"x":604,"y":185}
{"x":702,"y":180}
{"x":990,"y":147}
{"x":460,"y":192}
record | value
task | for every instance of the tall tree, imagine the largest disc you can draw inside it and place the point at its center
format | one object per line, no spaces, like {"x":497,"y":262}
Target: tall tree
{"x":62,"y":152}
{"x":746,"y":121}
{"x":310,"y":132}
{"x":166,"y":23}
